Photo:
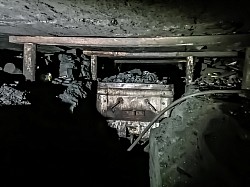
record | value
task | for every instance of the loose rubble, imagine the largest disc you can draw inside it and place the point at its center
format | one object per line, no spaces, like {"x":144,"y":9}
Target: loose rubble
{"x":11,"y":96}
{"x":73,"y":66}
{"x":74,"y":92}
{"x":134,"y":76}
{"x":219,"y":74}
{"x":76,"y":82}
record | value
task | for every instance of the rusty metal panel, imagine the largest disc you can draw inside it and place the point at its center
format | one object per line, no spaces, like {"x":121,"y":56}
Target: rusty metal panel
{"x":29,"y":61}
{"x":132,"y":104}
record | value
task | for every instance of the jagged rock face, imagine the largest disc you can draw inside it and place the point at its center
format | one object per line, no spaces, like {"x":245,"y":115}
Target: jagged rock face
{"x":122,"y":18}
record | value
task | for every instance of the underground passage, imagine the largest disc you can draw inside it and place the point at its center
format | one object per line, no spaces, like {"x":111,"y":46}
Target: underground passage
{"x":124,"y":93}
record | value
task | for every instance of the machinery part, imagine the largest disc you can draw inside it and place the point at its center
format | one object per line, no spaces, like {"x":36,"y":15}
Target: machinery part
{"x":29,"y":61}
{"x":176,"y":103}
{"x":119,"y":101}
{"x":151,"y":106}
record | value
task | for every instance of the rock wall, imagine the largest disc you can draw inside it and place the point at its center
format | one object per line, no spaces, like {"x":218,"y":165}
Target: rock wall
{"x":123,"y":18}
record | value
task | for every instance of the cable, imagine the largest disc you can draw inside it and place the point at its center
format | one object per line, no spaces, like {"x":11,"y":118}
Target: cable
{"x":176,"y":103}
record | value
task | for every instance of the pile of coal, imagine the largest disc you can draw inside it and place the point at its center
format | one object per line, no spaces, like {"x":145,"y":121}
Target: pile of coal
{"x":74,"y":74}
{"x":220,"y":74}
{"x":133,"y":76}
{"x":9,"y":95}
{"x":74,"y":66}
{"x":73,"y":94}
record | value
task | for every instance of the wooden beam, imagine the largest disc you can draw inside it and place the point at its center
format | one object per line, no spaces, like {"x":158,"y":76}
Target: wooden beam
{"x":164,"y":61}
{"x":246,"y":71}
{"x":190,"y":70}
{"x":158,"y":55}
{"x":94,"y":67}
{"x":29,"y":61}
{"x":221,"y":40}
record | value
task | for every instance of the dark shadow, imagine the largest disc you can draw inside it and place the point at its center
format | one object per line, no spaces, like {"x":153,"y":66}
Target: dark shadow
{"x":46,"y":143}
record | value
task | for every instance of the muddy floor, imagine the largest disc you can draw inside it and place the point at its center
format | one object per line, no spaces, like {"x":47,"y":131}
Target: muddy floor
{"x":45,"y":144}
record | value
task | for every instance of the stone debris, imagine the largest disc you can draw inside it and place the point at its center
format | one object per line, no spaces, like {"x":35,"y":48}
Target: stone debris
{"x":67,"y":65}
{"x":217,"y":73}
{"x":73,"y":94}
{"x":134,"y":76}
{"x":73,"y":66}
{"x":11,"y":96}
{"x":74,"y":74}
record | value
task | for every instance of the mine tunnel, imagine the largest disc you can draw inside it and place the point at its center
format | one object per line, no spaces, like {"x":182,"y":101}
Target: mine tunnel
{"x":124,"y":93}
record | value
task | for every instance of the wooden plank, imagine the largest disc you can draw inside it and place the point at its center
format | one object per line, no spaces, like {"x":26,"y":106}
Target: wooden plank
{"x":221,"y":40}
{"x":94,"y":67}
{"x":29,"y":61}
{"x":164,"y":61}
{"x":190,"y":70}
{"x":246,"y":71}
{"x":158,"y":55}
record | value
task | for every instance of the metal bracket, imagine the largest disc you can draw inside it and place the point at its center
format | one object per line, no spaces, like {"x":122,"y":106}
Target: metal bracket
{"x":151,"y":106}
{"x":119,"y":101}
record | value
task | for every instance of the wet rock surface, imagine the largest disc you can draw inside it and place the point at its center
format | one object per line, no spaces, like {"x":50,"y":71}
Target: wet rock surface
{"x":123,"y":18}
{"x":202,"y":144}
